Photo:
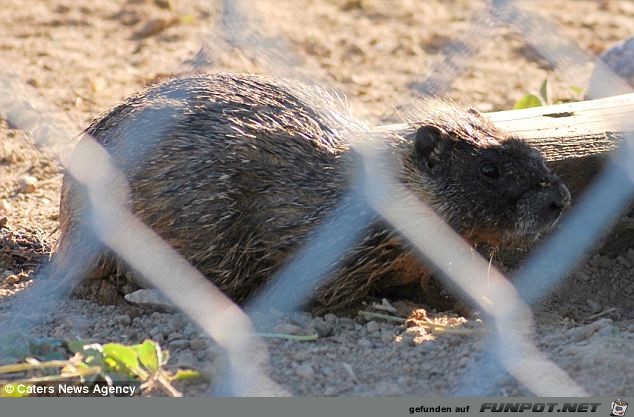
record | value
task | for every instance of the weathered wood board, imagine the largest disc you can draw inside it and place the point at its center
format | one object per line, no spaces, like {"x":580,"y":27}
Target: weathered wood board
{"x":575,"y":138}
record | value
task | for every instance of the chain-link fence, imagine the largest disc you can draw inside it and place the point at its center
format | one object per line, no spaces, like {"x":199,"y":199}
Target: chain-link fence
{"x":111,"y":223}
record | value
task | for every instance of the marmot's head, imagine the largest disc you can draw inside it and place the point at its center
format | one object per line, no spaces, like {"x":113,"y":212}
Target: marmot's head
{"x":490,"y":186}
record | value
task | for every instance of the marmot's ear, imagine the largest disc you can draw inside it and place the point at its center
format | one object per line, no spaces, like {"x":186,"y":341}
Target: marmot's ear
{"x":428,"y":143}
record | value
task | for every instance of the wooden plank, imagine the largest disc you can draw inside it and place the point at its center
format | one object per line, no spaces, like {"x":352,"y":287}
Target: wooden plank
{"x":570,"y":119}
{"x":575,"y":138}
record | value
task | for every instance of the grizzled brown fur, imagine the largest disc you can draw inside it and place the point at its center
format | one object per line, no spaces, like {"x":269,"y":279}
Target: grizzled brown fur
{"x":235,"y":171}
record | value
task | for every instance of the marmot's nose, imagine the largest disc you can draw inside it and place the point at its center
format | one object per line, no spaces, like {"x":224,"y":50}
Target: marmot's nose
{"x":560,"y":199}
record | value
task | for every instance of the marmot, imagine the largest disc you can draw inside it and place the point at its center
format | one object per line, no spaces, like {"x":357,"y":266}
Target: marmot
{"x":235,"y":171}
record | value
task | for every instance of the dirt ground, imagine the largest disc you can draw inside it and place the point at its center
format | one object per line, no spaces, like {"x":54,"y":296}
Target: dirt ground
{"x":82,"y":60}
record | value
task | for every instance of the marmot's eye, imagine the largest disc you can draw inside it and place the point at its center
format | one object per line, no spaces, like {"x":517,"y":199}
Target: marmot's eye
{"x":490,"y":170}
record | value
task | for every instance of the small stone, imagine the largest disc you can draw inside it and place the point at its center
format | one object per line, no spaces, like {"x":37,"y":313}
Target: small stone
{"x":62,"y":9}
{"x":323,"y":328}
{"x":595,"y":306}
{"x":163,"y":4}
{"x":387,"y":389}
{"x":27,"y":184}
{"x":624,"y":261}
{"x":372,"y":326}
{"x":156,"y":331}
{"x":352,"y":4}
{"x":179,"y":344}
{"x":328,"y":371}
{"x":190,"y":331}
{"x":630,"y":254}
{"x":426,"y":347}
{"x":98,"y":84}
{"x":33,"y":82}
{"x":153,"y":27}
{"x":287,"y":328}
{"x":601,"y":323}
{"x":128,"y":18}
{"x":157,"y":316}
{"x":185,"y":360}
{"x":585,"y":332}
{"x":305,"y":371}
{"x":123,"y":319}
{"x":5,"y":206}
{"x":11,"y":279}
{"x":198,"y":344}
{"x":174,"y":336}
{"x":582,"y":276}
{"x":23,"y":277}
{"x":300,"y":318}
{"x":604,"y":262}
{"x":582,"y":333}
{"x":178,"y":322}
{"x":149,"y":297}
{"x":202,"y":355}
{"x":59,"y":332}
{"x":365,"y":343}
{"x":331,"y":318}
{"x":302,"y":355}
{"x":606,"y":331}
{"x":408,"y":339}
{"x":387,"y":337}
{"x":3,"y":222}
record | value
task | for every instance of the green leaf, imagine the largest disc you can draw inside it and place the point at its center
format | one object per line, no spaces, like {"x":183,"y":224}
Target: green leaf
{"x":544,"y":92}
{"x":76,"y":346}
{"x":529,"y":100}
{"x":149,"y":353}
{"x":188,"y":19}
{"x":186,"y":374}
{"x":577,"y":90}
{"x":122,"y":359}
{"x":95,"y":358}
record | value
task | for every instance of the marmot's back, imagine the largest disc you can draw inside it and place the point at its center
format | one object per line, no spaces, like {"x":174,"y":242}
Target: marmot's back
{"x":229,"y":170}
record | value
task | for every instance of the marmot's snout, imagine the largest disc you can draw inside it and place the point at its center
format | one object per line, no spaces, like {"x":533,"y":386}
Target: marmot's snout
{"x":556,"y":199}
{"x":559,"y":198}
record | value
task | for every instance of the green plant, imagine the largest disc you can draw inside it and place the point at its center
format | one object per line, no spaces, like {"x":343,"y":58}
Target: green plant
{"x":544,"y":97}
{"x":108,"y":362}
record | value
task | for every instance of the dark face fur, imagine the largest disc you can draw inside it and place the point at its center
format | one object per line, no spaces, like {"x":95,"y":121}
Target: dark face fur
{"x":490,"y":187}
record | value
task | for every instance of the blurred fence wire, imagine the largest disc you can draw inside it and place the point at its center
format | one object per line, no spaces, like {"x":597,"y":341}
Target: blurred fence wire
{"x":112,"y":222}
{"x":506,"y":305}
